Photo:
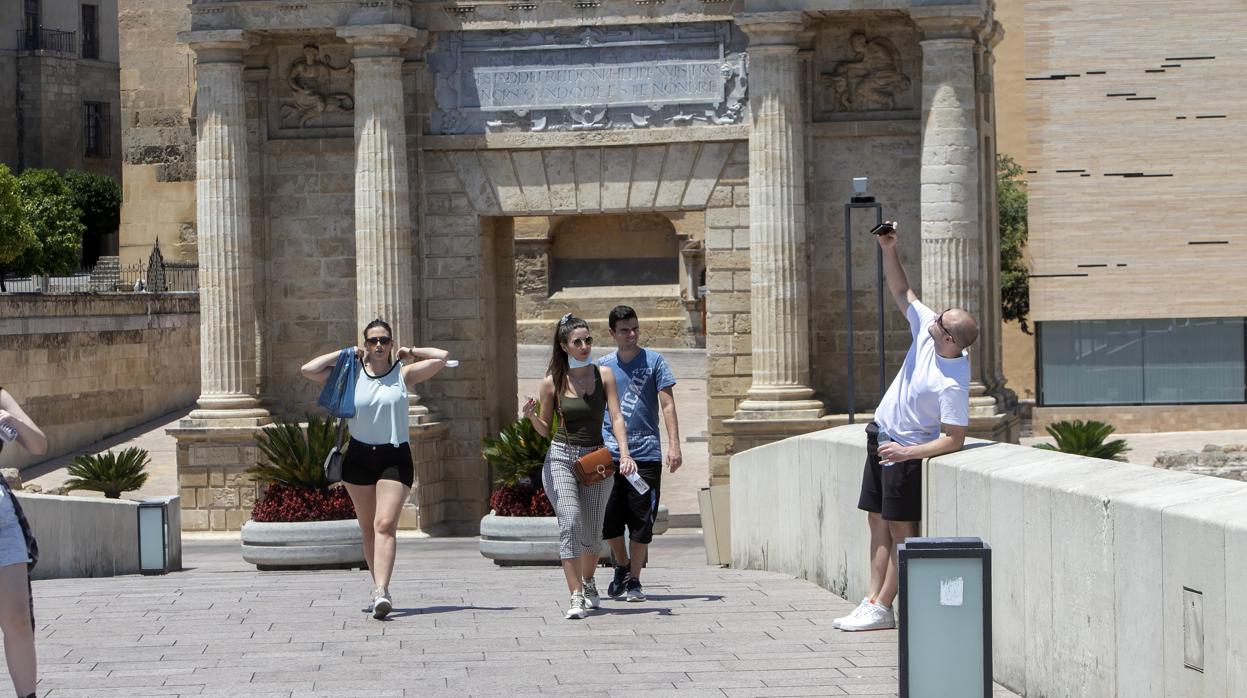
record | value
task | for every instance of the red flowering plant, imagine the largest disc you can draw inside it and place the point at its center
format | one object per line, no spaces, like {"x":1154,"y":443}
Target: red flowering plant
{"x":516,"y":456}
{"x":294,"y":476}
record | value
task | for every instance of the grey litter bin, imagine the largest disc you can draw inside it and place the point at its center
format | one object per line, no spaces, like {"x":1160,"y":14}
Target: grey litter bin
{"x":945,"y":604}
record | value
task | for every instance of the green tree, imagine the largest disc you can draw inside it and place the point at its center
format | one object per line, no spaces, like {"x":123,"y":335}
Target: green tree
{"x":15,"y":232}
{"x":1087,"y":438}
{"x":48,"y":207}
{"x":1014,"y":276}
{"x":99,"y":199}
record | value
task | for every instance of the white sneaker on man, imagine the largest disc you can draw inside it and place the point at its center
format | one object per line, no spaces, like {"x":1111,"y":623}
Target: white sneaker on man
{"x":577,"y":609}
{"x":873,"y":617}
{"x":835,"y":623}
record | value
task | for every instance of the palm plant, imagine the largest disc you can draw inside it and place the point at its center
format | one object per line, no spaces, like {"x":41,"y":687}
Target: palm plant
{"x":296,"y":457}
{"x":108,"y":472}
{"x":1085,"y":439}
{"x":517,"y":453}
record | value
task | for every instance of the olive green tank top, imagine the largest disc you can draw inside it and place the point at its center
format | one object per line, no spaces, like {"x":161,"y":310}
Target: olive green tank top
{"x":580,"y":421}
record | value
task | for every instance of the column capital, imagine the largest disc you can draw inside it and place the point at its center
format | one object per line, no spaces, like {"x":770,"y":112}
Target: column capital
{"x":781,"y":30}
{"x":380,"y":40}
{"x":216,"y":45}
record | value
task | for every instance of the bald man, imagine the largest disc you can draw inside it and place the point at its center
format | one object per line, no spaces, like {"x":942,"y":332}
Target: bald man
{"x":924,"y":414}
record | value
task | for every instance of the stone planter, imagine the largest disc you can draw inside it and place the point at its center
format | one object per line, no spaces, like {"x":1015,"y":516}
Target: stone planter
{"x":534,"y":540}
{"x":303,"y":545}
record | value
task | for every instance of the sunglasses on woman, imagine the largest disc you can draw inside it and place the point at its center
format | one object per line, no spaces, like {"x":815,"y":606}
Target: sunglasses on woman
{"x":585,"y":342}
{"x":374,"y":341}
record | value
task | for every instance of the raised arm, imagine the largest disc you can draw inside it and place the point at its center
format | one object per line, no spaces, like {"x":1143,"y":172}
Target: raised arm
{"x":540,"y":411}
{"x":619,"y":428}
{"x":428,"y":362}
{"x":29,"y":435}
{"x":898,"y":283}
{"x":317,"y":370}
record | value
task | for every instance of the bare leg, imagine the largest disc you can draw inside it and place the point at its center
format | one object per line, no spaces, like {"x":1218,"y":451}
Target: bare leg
{"x":880,"y":547}
{"x":640,"y":553}
{"x":364,"y":497}
{"x":899,"y":530}
{"x":588,"y":565}
{"x":19,"y":637}
{"x":572,"y":572}
{"x":391,"y":495}
{"x":618,"y":550}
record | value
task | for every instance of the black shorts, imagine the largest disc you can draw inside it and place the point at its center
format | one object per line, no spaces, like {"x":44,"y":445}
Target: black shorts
{"x":892,"y":491}
{"x":365,"y":464}
{"x":635,"y":511}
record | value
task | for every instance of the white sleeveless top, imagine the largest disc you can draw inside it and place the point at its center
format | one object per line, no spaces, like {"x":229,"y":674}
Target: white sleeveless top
{"x":380,"y":408}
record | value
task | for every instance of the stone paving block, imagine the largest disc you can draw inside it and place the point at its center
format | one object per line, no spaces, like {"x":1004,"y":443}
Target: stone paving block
{"x":463,"y":628}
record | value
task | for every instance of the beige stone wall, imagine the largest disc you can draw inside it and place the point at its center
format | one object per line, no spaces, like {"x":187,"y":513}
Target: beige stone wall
{"x":1141,"y":419}
{"x":86,"y":367}
{"x":1154,"y":94}
{"x":158,"y":145}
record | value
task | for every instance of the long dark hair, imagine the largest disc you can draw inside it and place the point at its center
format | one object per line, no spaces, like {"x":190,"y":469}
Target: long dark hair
{"x":558,"y":355}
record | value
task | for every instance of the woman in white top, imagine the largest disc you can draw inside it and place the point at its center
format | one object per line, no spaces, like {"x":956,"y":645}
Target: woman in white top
{"x":17,"y":554}
{"x":377,"y":469}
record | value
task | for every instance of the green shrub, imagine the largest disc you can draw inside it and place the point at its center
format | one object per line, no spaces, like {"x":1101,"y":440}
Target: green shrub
{"x":110,"y":473}
{"x":296,"y":456}
{"x":49,"y":207}
{"x":1085,"y":439}
{"x":517,"y":453}
{"x":16,"y":234}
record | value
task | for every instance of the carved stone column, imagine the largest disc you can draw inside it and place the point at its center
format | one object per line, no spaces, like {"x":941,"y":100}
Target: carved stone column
{"x":223,"y":221}
{"x":778,"y":257}
{"x":953,"y":219}
{"x":383,"y":232}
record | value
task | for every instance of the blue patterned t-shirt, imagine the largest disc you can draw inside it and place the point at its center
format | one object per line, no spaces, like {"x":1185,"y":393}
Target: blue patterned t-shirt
{"x":638,"y":383}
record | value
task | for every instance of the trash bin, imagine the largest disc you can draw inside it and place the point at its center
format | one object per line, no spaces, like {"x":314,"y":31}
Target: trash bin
{"x":160,"y":535}
{"x":945,"y":609}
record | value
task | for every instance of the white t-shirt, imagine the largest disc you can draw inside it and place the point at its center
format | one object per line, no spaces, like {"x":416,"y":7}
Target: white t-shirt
{"x":928,"y":391}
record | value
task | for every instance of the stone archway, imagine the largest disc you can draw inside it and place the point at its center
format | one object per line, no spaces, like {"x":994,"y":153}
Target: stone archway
{"x":470,"y":200}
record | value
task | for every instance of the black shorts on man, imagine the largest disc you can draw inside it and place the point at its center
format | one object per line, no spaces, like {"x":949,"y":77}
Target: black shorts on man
{"x":893,"y":491}
{"x":365,"y":464}
{"x":627,"y":508}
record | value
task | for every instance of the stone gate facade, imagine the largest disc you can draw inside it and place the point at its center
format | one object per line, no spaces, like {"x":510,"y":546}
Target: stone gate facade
{"x":364,"y":159}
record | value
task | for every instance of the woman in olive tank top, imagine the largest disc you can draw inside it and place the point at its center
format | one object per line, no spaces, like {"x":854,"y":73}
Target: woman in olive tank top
{"x":18,"y":553}
{"x":583,"y":395}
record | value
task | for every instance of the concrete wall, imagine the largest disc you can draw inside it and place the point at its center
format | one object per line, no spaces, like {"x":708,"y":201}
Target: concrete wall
{"x":1092,"y":564}
{"x":89,"y":366}
{"x":82,"y":537}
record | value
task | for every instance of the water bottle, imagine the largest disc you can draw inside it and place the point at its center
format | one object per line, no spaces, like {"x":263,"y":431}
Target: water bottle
{"x":638,"y":482}
{"x":451,"y":363}
{"x":883,"y":438}
{"x":7,"y":432}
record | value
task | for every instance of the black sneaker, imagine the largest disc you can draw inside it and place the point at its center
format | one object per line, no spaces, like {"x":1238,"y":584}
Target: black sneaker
{"x":635,"y":593}
{"x":616,"y":588}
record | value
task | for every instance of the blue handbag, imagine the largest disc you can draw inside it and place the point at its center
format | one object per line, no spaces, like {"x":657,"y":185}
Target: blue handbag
{"x":338,"y":395}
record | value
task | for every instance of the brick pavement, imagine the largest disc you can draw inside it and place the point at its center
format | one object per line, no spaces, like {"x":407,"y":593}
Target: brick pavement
{"x":462,"y":627}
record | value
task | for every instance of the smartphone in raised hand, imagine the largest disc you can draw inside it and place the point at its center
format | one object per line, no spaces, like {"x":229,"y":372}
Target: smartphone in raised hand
{"x":883,"y":228}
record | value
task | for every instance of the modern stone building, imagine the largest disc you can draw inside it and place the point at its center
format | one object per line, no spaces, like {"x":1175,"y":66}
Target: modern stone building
{"x":422,"y":161}
{"x":59,"y":77}
{"x":1135,"y":127}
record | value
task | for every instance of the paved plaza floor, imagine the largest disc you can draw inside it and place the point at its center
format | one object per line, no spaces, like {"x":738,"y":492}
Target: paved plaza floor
{"x":461,"y":627}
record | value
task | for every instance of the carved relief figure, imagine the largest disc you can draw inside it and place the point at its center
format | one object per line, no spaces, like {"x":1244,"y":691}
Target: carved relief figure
{"x":309,"y":80}
{"x":872,"y":80}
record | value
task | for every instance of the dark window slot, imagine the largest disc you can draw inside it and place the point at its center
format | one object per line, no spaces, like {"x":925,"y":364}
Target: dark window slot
{"x":1154,"y":70}
{"x":1062,"y":171}
{"x":1191,"y":58}
{"x":1140,"y":99}
{"x":1092,"y":266}
{"x":1208,"y":242}
{"x":1097,"y":72}
{"x":1056,"y":276}
{"x":1121,"y":94}
{"x":1211,"y":116}
{"x":1171,"y":65}
{"x":1121,"y":265}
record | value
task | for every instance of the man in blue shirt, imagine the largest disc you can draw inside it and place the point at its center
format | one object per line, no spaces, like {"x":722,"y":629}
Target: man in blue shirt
{"x":644,"y":384}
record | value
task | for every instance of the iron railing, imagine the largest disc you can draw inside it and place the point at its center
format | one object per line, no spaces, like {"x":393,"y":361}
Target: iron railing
{"x":42,"y":39}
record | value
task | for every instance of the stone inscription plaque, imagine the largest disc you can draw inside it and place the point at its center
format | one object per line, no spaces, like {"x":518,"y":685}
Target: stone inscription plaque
{"x":592,"y":78}
{"x":627,"y":84}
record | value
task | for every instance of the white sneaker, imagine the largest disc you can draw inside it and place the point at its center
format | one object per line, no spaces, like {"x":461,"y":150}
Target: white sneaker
{"x":852,"y":614}
{"x":592,"y":598}
{"x":873,"y":617}
{"x":577,"y":610}
{"x":382,"y":605}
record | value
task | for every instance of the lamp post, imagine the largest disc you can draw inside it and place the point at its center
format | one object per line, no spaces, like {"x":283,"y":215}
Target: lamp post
{"x":861,"y":199}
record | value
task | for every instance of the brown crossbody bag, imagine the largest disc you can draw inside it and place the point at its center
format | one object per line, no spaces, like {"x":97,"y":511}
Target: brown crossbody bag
{"x":594,"y":466}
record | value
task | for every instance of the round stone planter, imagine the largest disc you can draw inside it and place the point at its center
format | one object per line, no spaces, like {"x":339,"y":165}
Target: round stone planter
{"x":303,"y":545}
{"x":534,"y":540}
